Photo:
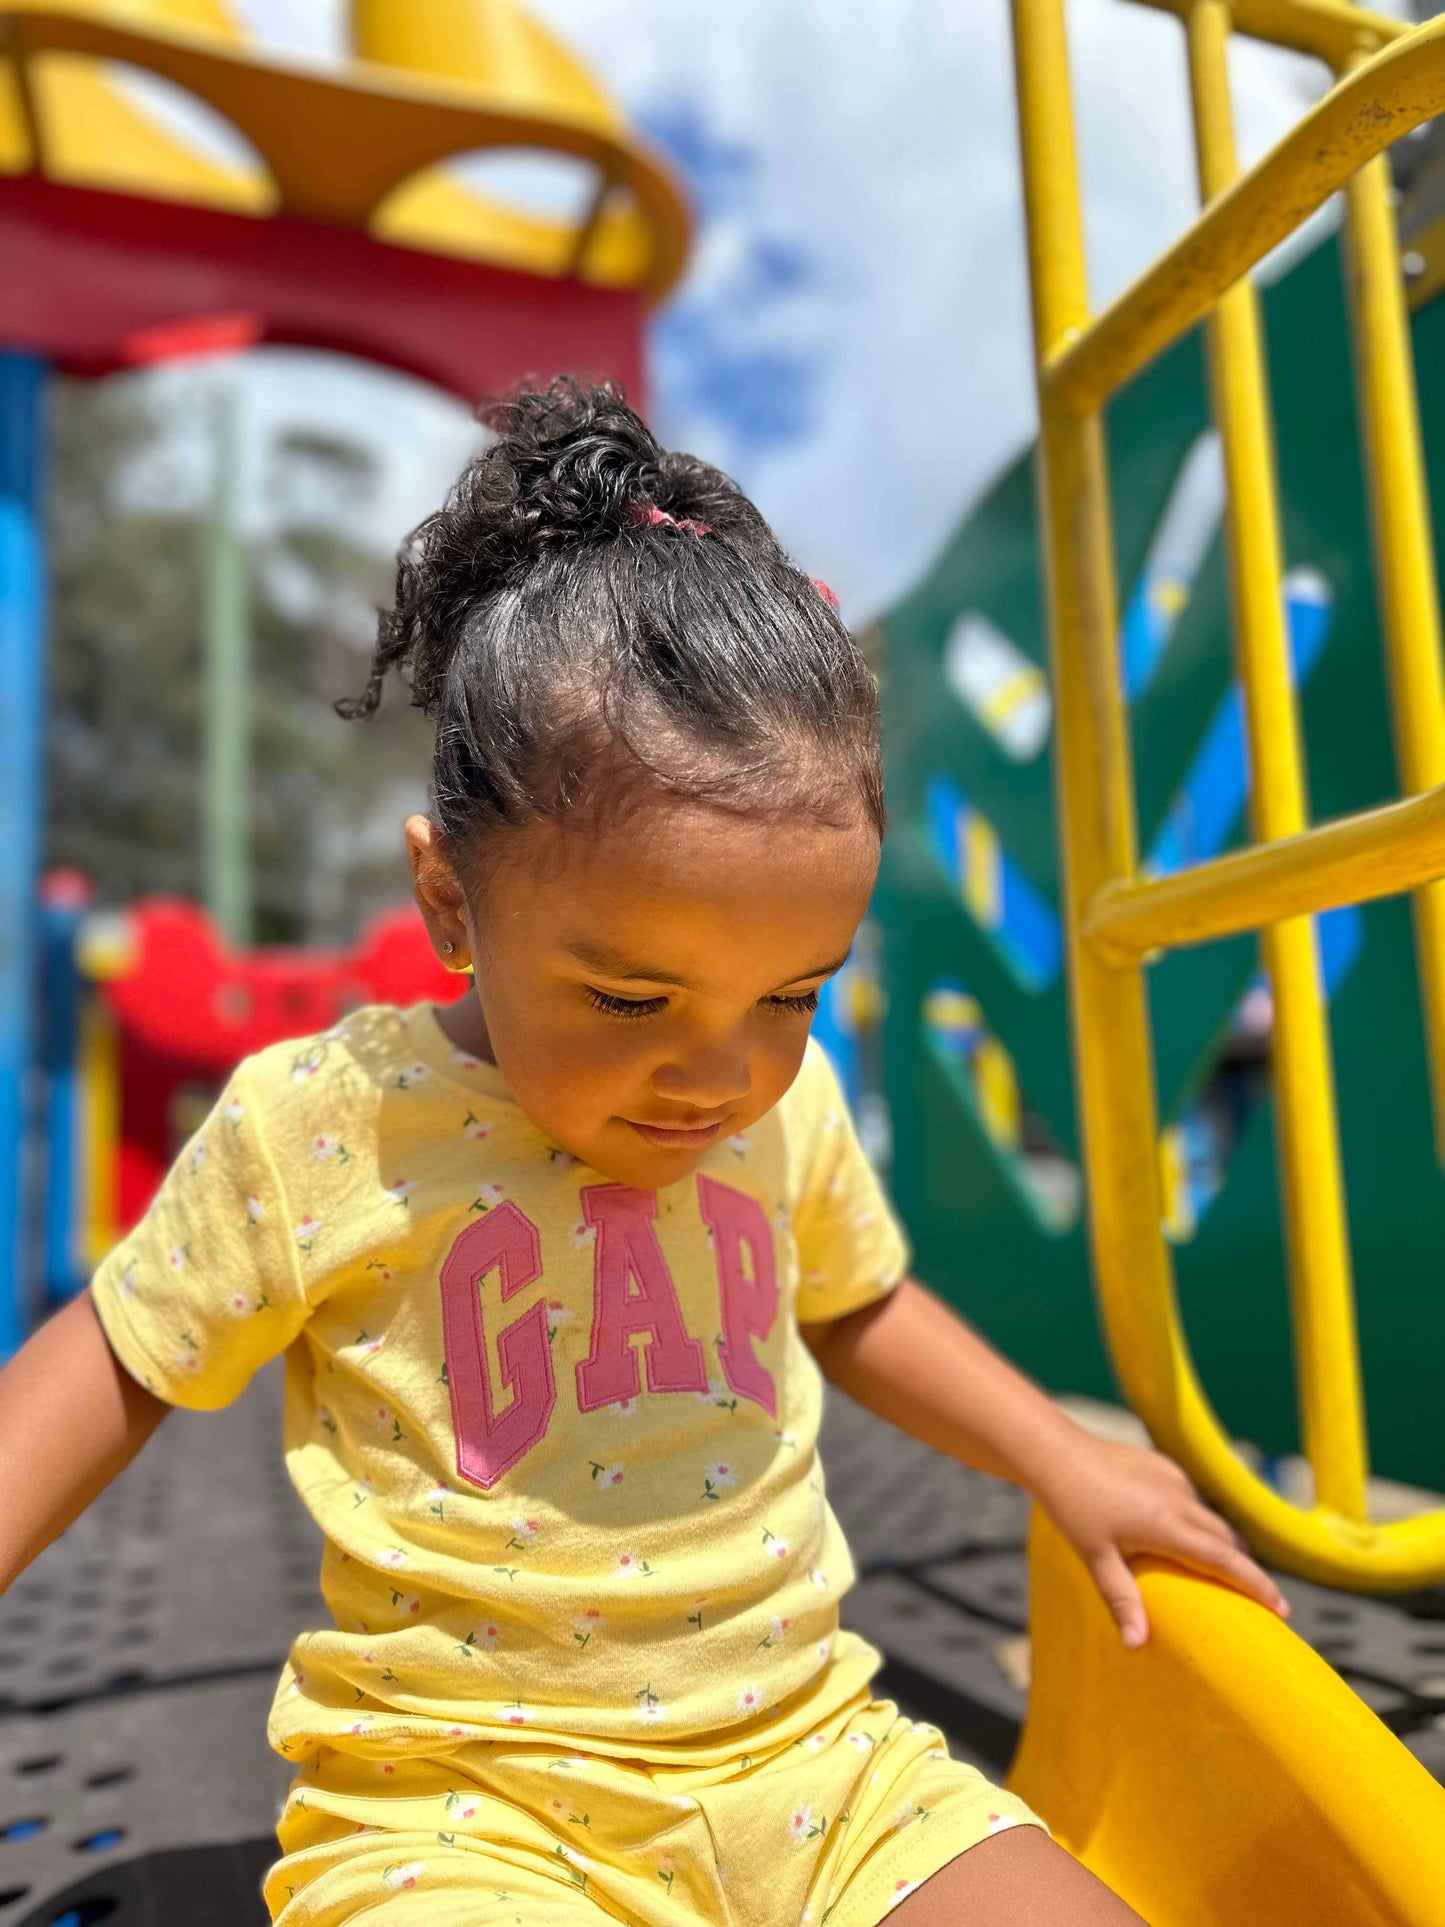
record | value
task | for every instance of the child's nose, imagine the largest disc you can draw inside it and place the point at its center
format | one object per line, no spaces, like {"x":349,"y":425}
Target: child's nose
{"x":709,"y":1080}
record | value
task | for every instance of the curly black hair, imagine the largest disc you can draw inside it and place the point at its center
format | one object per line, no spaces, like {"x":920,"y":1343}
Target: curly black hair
{"x":575,"y":648}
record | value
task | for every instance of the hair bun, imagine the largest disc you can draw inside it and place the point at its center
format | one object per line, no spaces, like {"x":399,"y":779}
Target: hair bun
{"x":575,"y":460}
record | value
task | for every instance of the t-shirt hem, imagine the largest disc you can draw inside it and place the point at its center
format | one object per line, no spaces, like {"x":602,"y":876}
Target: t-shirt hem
{"x":842,"y":1306}
{"x":159,"y":1380}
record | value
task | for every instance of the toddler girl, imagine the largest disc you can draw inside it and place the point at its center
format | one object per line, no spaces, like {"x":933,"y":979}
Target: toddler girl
{"x":559,"y":1269}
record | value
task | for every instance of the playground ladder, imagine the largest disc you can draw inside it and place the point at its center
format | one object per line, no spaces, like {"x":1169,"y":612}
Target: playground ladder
{"x":1390,"y":78}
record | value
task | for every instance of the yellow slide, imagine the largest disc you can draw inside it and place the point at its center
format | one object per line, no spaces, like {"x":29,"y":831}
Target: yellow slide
{"x":1224,"y":1775}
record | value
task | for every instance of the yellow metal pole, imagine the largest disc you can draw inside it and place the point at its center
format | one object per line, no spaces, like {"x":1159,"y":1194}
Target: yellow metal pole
{"x":1110,"y":1021}
{"x":1311,"y":1178}
{"x":1404,"y":548}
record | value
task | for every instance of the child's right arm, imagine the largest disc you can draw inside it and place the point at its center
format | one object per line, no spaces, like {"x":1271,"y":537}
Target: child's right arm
{"x":71,"y":1418}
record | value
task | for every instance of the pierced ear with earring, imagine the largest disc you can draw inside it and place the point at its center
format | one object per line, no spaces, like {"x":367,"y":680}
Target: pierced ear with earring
{"x":447,"y":949}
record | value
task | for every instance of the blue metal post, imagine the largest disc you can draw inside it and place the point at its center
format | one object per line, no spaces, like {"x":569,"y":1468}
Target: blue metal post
{"x":22,"y":734}
{"x":64,"y":899}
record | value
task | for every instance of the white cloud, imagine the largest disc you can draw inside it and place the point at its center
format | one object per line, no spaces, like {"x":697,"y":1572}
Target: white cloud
{"x":883,"y":154}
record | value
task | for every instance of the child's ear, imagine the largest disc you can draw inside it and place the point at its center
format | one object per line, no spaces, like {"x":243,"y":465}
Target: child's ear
{"x":439,"y":896}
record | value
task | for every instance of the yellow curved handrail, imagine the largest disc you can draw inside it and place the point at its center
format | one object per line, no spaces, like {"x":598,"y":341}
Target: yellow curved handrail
{"x":1224,"y":1773}
{"x":1115,"y":919}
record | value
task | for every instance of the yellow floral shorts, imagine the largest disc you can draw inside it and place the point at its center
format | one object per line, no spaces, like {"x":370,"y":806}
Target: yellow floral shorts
{"x":837,"y":1827}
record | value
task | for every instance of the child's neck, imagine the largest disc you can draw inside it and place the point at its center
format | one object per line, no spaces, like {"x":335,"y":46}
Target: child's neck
{"x":466,"y":1027}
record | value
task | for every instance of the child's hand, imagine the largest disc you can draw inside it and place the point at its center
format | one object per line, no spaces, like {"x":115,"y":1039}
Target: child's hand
{"x":1114,"y":1501}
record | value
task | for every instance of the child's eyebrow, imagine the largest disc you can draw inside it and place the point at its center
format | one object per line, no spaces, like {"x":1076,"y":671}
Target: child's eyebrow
{"x":623,"y":969}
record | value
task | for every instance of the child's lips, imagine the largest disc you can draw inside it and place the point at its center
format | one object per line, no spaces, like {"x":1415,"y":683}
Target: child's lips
{"x":668,"y":1137}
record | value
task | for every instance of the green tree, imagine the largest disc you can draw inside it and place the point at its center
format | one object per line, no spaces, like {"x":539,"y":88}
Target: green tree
{"x":123,"y":751}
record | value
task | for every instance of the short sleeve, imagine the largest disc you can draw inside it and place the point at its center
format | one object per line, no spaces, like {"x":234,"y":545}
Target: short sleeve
{"x":851,"y":1249}
{"x":206,"y":1289}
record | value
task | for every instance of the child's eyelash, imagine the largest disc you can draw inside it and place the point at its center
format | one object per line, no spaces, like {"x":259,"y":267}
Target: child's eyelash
{"x":624,"y":1006}
{"x":645,"y":1006}
{"x":807,"y":1001}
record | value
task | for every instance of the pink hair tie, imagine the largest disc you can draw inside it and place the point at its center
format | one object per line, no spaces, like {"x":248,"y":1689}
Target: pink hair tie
{"x":825,"y":592}
{"x":649,"y":515}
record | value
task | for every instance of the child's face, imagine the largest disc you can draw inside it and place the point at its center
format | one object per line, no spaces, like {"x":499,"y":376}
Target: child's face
{"x":648,"y":990}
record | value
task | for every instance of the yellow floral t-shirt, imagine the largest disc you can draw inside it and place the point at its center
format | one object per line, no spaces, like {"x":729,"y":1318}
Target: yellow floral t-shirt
{"x":559,"y":1434}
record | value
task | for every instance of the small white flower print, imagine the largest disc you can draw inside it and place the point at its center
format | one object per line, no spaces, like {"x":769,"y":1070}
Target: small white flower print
{"x":776,"y":1548}
{"x":515,"y":1714}
{"x":586,"y":1624}
{"x":524,"y":1532}
{"x":413,"y":1075}
{"x":819,"y":1579}
{"x":862,"y":1741}
{"x":750,"y":1699}
{"x":307,"y":1064}
{"x":189,"y":1360}
{"x":393,"y":1558}
{"x":557,"y":1316}
{"x":778,"y":1629}
{"x":405,"y":1876}
{"x":651,"y":1712}
{"x":402,"y":1189}
{"x":306,"y":1232}
{"x":238,"y":1303}
{"x":476,"y":1127}
{"x":464,"y":1061}
{"x":905,"y":1813}
{"x":630,"y":1565}
{"x":714,"y":1477}
{"x":176,"y":1257}
{"x":298,"y":1681}
{"x":198,"y":1155}
{"x":582,"y":1234}
{"x":324,"y":1146}
{"x":605,"y":1477}
{"x":740,"y":1144}
{"x":786,"y":1438}
{"x":438,"y":1497}
{"x":488,"y":1197}
{"x":825,"y":1646}
{"x":901,"y":1892}
{"x":233,"y":1112}
{"x":361,"y":1725}
{"x":1001,"y":1822}
{"x":624,"y":1407}
{"x":802,"y":1827}
{"x":716,"y":1393}
{"x":255,"y":1210}
{"x":127,"y":1280}
{"x":864,"y":1220}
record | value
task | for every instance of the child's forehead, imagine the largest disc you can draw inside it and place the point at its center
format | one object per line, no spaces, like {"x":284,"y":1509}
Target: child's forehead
{"x":662,"y":897}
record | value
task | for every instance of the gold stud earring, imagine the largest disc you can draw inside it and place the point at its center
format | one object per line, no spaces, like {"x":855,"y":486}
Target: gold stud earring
{"x":449,"y":947}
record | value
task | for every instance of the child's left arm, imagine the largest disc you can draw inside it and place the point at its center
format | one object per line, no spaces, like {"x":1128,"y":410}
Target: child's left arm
{"x":914,"y":1362}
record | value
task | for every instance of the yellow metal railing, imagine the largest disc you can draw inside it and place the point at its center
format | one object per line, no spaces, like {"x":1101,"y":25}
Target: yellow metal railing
{"x":1389,"y":79}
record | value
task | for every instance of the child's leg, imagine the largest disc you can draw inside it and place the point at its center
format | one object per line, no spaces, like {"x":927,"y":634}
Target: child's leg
{"x":1019,"y":1878}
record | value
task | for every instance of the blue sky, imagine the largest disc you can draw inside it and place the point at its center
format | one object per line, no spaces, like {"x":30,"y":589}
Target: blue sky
{"x":851,"y":339}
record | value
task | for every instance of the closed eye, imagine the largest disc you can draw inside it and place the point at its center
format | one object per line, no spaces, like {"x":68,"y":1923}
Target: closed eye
{"x":806,"y":1001}
{"x":624,"y":1006}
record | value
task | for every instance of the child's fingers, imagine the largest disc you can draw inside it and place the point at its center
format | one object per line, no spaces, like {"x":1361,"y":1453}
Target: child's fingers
{"x":1218,"y":1559}
{"x":1121,"y":1594}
